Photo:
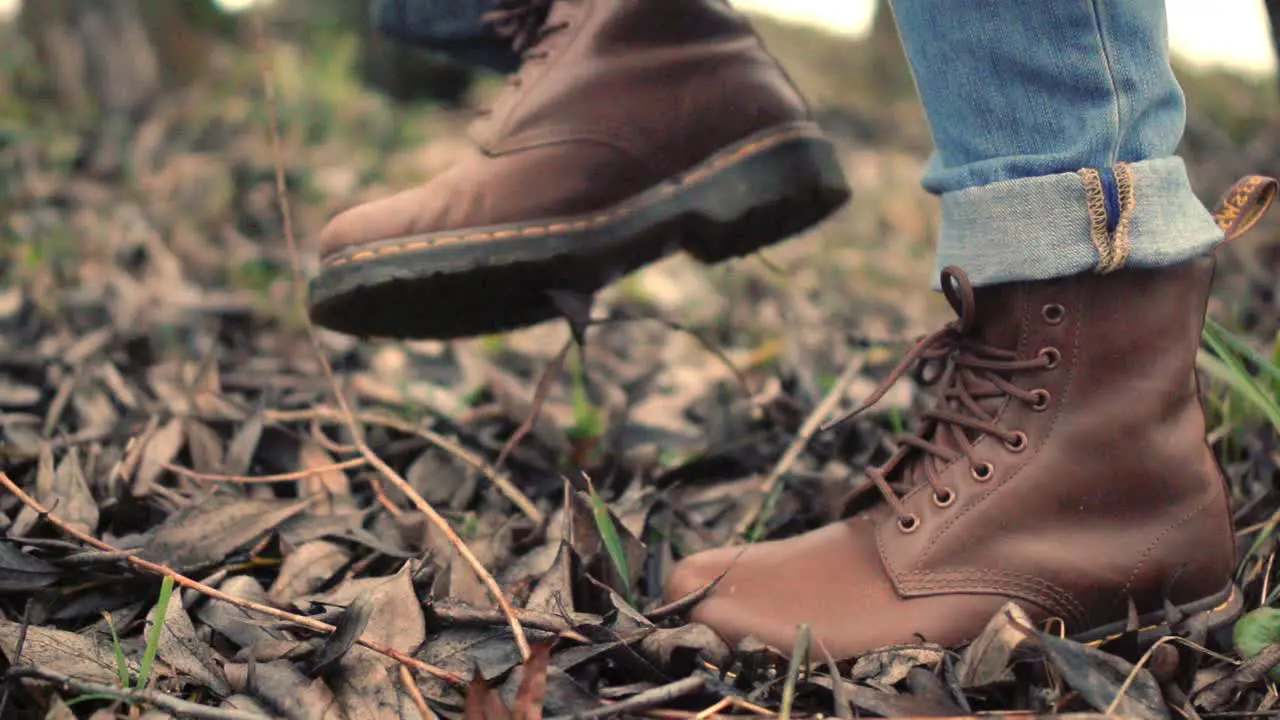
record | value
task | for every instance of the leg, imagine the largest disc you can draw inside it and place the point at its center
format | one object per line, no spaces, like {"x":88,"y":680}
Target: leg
{"x":454,"y":28}
{"x":1055,"y":132}
{"x":1065,"y":466}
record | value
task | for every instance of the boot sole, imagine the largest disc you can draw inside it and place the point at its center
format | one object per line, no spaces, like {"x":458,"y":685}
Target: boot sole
{"x":483,"y":280}
{"x":1215,"y":612}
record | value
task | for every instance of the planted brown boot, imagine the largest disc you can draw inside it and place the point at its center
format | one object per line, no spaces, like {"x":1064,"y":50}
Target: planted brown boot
{"x":634,"y":128}
{"x":1065,"y":468}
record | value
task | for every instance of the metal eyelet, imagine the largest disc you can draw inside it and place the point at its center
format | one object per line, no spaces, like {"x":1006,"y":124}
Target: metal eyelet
{"x":1053,"y":313}
{"x":1040,"y":399}
{"x":983,"y":471}
{"x":944,"y":499}
{"x":1017,"y":443}
{"x":909,"y":524}
{"x":1052,"y":355}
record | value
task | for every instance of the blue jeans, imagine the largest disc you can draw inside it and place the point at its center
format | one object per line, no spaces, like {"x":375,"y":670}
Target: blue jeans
{"x":1054,"y":127}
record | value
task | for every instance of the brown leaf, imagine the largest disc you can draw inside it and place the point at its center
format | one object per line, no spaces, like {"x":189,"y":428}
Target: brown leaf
{"x":304,"y":570}
{"x":242,"y":627}
{"x":205,"y":447}
{"x":243,"y":445}
{"x":62,"y":652}
{"x":679,"y":648}
{"x":987,"y":660}
{"x":284,"y":689}
{"x":330,"y":489}
{"x":483,"y":703}
{"x":208,"y":532}
{"x":887,"y":667}
{"x":533,"y":683}
{"x":1098,"y":676}
{"x":161,"y":448}
{"x":397,"y":613}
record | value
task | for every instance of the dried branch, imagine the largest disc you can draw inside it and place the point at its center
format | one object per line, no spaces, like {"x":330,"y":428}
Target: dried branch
{"x":214,"y":593}
{"x":282,"y":477}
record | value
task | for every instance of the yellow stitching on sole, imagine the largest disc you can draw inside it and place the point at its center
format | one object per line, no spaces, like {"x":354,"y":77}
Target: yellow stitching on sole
{"x":619,"y":212}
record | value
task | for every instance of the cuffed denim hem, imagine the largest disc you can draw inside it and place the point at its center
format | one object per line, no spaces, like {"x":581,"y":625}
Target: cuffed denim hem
{"x":1059,"y":225}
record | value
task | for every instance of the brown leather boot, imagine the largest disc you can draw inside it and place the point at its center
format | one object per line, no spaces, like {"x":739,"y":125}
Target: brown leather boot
{"x":1065,"y":467}
{"x":634,"y":128}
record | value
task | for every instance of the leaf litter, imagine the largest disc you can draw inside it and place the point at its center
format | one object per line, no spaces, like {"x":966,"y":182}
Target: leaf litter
{"x":158,"y":395}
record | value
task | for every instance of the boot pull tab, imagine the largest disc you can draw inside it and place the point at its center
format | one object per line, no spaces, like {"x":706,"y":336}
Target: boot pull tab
{"x":1244,"y":204}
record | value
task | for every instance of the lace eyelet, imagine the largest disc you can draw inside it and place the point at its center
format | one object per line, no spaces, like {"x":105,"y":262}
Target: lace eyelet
{"x":1040,"y":399}
{"x":1017,"y":443}
{"x":1053,"y":313}
{"x":944,"y":499}
{"x":983,"y":471}
{"x":909,"y":524}
{"x":1052,"y":356}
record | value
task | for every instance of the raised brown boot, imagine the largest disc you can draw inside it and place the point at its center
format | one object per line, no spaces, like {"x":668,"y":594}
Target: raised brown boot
{"x":1065,"y":468}
{"x":634,"y":128}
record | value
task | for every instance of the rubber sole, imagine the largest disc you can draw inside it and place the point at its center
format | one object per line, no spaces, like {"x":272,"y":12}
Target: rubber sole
{"x":492,"y":279}
{"x":1215,"y":612}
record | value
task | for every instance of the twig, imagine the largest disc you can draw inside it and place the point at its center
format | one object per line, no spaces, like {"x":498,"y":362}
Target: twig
{"x":757,"y":516}
{"x":460,"y":614}
{"x":540,"y":391}
{"x":178,"y":707}
{"x":17,"y":652}
{"x":500,"y":480}
{"x":282,"y":477}
{"x":411,"y":687}
{"x":387,"y":472}
{"x":645,"y":700}
{"x":183,"y":580}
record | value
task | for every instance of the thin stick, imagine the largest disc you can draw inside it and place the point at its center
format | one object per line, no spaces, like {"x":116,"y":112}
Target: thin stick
{"x":387,"y":472}
{"x":183,"y":580}
{"x":411,"y":687}
{"x":248,"y":480}
{"x":181,"y":708}
{"x":810,"y":428}
{"x":647,"y":699}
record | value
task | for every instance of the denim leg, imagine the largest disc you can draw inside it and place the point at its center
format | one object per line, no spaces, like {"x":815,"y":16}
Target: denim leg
{"x":1054,"y":127}
{"x":451,"y":27}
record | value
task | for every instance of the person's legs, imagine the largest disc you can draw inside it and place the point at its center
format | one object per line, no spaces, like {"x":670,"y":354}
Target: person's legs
{"x":1065,"y":466}
{"x":1055,"y":126}
{"x":454,"y":28}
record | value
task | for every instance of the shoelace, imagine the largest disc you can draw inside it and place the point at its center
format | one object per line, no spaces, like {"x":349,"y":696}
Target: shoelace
{"x":524,"y":24}
{"x":968,"y":371}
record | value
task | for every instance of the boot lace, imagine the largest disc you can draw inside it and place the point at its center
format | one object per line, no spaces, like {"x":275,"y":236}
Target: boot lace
{"x":524,"y":24}
{"x":967,"y":371}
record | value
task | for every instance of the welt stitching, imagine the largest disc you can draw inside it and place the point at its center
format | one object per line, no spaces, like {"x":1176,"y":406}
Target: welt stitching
{"x":1040,"y":591}
{"x":586,"y":223}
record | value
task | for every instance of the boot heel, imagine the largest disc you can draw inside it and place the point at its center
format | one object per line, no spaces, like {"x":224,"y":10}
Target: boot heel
{"x":763,"y":198}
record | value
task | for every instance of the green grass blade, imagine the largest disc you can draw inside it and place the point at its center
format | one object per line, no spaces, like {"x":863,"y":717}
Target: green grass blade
{"x":1227,"y":368}
{"x":157,"y":627}
{"x":122,"y":665}
{"x":1267,"y":366}
{"x":612,"y":541}
{"x":799,"y":662}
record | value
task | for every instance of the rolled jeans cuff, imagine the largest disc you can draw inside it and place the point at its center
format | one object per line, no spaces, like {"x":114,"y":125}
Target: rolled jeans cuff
{"x":1060,"y":225}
